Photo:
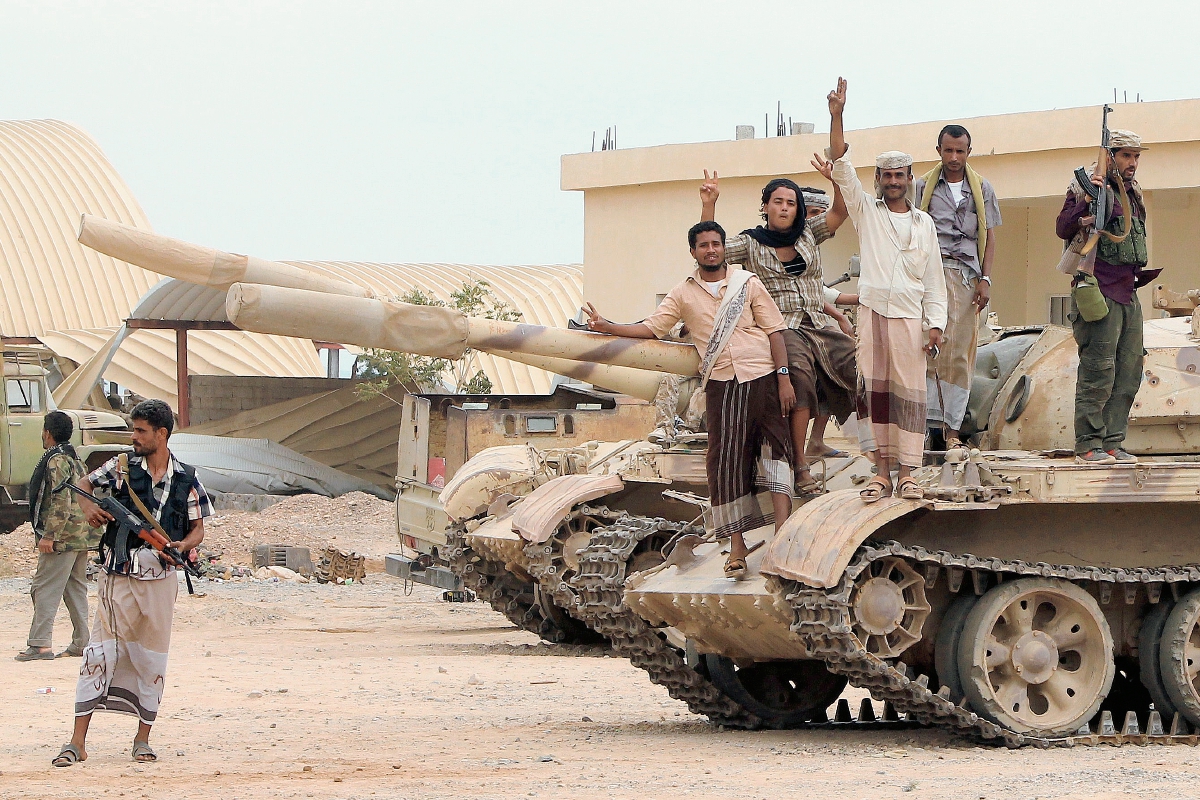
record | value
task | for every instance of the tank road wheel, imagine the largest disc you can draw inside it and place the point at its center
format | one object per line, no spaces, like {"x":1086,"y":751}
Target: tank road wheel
{"x":783,"y":694}
{"x":1036,"y":656}
{"x":945,"y":648}
{"x":889,"y":607}
{"x":1179,"y":657}
{"x":1149,"y":641}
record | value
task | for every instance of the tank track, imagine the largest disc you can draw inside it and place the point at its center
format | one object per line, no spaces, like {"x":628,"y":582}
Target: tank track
{"x":599,"y":592}
{"x":504,"y":591}
{"x":823,"y":620}
{"x":546,"y":565}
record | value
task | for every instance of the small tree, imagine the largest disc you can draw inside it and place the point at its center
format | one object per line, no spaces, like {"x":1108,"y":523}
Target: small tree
{"x":380,"y":370}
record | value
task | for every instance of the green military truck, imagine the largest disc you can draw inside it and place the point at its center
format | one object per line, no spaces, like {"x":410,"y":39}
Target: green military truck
{"x":28,"y":370}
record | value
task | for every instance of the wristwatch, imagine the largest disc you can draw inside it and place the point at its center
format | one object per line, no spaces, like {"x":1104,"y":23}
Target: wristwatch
{"x":987,"y":278}
{"x":782,"y":371}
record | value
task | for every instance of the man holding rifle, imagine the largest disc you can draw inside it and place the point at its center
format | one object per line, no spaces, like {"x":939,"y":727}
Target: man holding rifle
{"x":1108,"y":329}
{"x":124,"y":666}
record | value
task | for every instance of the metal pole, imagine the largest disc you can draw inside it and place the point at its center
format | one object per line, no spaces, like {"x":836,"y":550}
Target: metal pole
{"x":181,"y":377}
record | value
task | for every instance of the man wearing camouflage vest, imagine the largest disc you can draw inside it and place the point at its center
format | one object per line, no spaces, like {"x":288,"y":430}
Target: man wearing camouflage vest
{"x":63,"y":541}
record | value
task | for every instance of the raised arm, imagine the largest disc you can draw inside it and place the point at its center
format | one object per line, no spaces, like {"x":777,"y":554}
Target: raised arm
{"x":837,"y":213}
{"x":597,"y":323}
{"x":837,"y":104}
{"x":710,"y":190}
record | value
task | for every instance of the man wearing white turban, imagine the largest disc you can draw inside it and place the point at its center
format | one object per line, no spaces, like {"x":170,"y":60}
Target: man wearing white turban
{"x":903,"y":293}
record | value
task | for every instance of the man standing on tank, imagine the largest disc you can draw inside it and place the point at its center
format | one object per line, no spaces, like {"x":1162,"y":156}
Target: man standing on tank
{"x":902,"y":291}
{"x":1110,"y":348}
{"x":738,"y":332}
{"x":965,"y":211}
{"x":785,"y":254}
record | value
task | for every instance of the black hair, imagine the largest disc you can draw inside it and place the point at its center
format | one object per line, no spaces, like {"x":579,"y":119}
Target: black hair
{"x":703,"y":227}
{"x":784,"y":183}
{"x":954,"y":132}
{"x":59,"y":426}
{"x":156,"y":412}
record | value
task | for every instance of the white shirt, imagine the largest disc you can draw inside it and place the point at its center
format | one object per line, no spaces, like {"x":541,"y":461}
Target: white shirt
{"x":955,"y":191}
{"x":899,"y":279}
{"x":713,"y":287}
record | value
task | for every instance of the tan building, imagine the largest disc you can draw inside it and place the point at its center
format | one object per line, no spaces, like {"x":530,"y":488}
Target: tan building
{"x":639,"y":203}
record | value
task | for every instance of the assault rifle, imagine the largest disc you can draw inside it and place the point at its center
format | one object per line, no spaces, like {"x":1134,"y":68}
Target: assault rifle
{"x":130,"y":523}
{"x":1099,"y":194}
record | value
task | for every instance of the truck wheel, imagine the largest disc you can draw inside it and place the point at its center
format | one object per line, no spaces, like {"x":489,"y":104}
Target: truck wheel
{"x":1036,"y":656}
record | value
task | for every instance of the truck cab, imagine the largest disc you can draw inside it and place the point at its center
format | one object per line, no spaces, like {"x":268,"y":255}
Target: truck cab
{"x":97,"y":436}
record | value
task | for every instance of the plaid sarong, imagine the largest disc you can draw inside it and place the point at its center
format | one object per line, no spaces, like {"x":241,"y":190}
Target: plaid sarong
{"x":891,"y":405}
{"x":955,"y":363}
{"x":749,"y":449}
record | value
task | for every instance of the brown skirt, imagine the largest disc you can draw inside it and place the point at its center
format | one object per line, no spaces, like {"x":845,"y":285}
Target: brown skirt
{"x":749,"y":451}
{"x":823,"y":369}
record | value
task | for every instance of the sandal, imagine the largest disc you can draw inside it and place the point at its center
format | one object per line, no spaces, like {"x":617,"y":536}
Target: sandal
{"x":910,"y":490}
{"x":33,"y":654}
{"x":69,"y":756}
{"x":877,"y":489}
{"x":828,"y":452}
{"x":70,"y":653}
{"x":736,"y":567}
{"x":804,"y":488}
{"x":143,"y":752}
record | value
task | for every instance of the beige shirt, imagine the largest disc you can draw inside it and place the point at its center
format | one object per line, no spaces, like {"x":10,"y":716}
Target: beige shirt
{"x":796,"y":295}
{"x":748,"y":354}
{"x":900,"y":278}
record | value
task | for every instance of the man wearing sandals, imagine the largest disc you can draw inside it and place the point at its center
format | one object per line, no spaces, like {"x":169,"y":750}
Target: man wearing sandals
{"x":1110,"y":347}
{"x":64,"y":539}
{"x":125,"y":665}
{"x":785,"y":255}
{"x":902,"y":290}
{"x":965,"y":211}
{"x":738,"y":332}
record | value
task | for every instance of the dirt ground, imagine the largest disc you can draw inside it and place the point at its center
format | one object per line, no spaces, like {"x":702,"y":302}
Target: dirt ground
{"x":280,"y":690}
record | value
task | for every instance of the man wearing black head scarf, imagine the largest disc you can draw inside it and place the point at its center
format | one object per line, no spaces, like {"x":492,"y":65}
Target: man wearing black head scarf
{"x":785,"y":255}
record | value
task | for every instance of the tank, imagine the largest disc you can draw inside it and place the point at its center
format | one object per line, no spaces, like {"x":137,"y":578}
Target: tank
{"x":1026,"y":599}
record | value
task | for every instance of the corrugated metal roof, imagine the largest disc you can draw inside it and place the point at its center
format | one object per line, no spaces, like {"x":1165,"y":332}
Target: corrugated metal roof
{"x":179,"y":300}
{"x":50,"y":173}
{"x":145,"y":361}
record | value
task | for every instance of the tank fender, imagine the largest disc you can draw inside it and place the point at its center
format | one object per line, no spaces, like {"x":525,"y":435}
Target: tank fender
{"x":543,"y":509}
{"x":816,"y":543}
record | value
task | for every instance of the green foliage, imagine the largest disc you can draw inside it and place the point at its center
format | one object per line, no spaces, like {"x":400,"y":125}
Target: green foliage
{"x":380,"y":370}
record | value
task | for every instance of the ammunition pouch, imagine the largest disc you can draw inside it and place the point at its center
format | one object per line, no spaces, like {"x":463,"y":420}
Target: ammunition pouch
{"x":1089,"y":300}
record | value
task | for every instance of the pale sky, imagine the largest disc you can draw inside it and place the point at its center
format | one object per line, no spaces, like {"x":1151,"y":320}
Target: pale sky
{"x":396,"y":131}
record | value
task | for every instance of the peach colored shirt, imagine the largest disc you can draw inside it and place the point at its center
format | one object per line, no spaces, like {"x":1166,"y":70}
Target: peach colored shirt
{"x":748,"y":354}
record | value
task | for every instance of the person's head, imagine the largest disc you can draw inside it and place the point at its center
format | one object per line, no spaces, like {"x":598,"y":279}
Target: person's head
{"x":152,"y":426}
{"x":706,"y":240}
{"x":816,"y":201}
{"x":893,"y":175}
{"x":954,"y":146}
{"x":1126,"y":147}
{"x":56,"y":429}
{"x":782,"y":205}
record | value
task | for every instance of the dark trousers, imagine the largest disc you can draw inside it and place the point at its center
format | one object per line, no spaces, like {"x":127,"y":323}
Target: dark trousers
{"x":1110,"y":372}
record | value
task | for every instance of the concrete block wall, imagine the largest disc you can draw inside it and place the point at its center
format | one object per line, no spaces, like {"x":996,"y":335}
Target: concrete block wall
{"x":215,"y":397}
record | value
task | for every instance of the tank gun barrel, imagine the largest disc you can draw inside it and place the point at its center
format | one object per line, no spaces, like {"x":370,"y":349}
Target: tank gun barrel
{"x":446,"y":333}
{"x":202,"y":265}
